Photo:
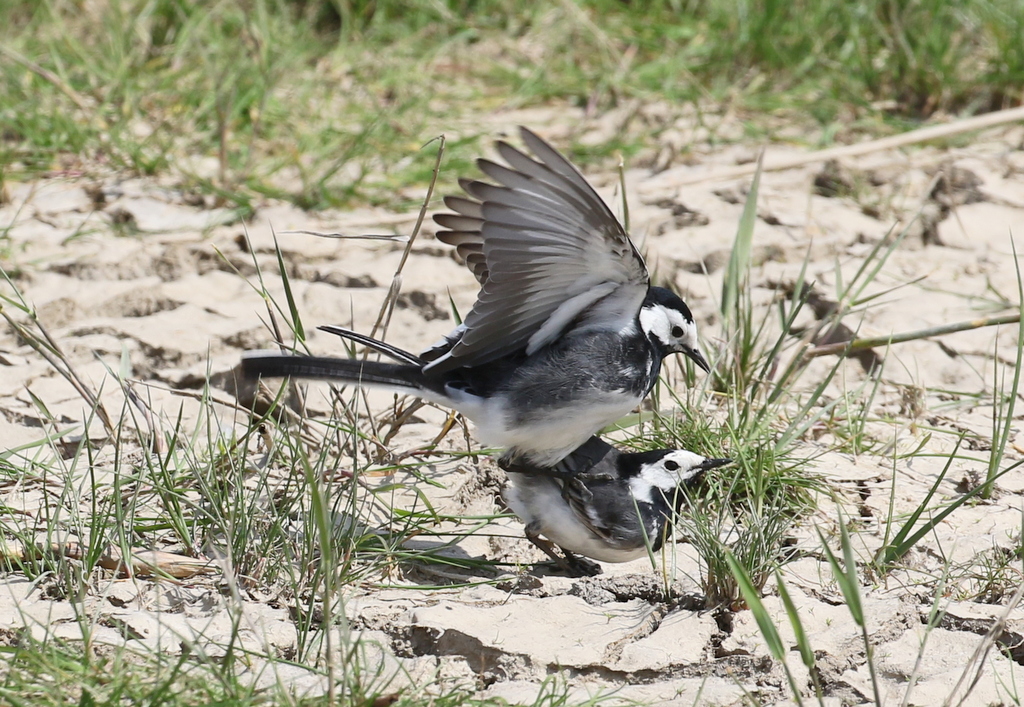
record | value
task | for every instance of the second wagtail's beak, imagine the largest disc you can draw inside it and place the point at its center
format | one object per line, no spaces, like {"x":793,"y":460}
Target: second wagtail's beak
{"x":697,"y":357}
{"x":713,"y":463}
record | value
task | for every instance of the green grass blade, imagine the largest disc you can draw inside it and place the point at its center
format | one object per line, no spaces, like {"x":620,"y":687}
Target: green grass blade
{"x":739,"y":260}
{"x":756,"y":606}
{"x":293,"y":309}
{"x":898,"y":547}
{"x":912,"y":540}
{"x":852,"y":585}
{"x":1001,"y":437}
{"x":454,"y":308}
{"x":806,"y":652}
{"x":849,"y":586}
{"x":849,"y":591}
{"x":764,"y":621}
{"x":802,"y":642}
{"x":622,"y":188}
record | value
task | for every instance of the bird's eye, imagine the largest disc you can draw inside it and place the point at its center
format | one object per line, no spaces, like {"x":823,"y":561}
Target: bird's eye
{"x":677,"y":331}
{"x":671,"y":465}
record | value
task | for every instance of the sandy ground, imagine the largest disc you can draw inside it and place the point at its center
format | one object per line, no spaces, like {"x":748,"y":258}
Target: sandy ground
{"x":131,"y":265}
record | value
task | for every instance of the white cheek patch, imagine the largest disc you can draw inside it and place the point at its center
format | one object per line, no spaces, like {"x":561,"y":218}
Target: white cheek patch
{"x":653,"y":476}
{"x":655,"y":320}
{"x":661,"y":321}
{"x":688,"y":340}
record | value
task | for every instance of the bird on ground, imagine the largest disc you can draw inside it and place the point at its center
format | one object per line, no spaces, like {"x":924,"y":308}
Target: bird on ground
{"x":567,"y":334}
{"x":615,"y":511}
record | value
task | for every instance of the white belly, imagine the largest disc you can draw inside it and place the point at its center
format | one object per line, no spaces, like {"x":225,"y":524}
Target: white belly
{"x":540,"y":501}
{"x":548,"y":438}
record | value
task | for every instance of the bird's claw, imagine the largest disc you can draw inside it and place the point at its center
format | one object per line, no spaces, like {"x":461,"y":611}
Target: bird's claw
{"x":580,"y":566}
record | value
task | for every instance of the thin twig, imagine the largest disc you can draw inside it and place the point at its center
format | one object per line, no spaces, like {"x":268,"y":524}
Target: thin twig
{"x":349,"y":236}
{"x":847,"y":347}
{"x":396,"y":282}
{"x":388,"y":306}
{"x":49,"y":76}
{"x":401,"y":418}
{"x":142,"y":563}
{"x":685,"y":176}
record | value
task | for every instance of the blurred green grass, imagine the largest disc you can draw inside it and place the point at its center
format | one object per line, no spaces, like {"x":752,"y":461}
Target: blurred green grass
{"x":322,"y":102}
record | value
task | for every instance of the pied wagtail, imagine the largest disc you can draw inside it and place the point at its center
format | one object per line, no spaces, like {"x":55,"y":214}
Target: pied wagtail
{"x":567,"y":334}
{"x":614,"y":511}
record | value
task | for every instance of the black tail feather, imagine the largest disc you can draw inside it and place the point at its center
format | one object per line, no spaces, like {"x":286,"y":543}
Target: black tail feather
{"x":387,"y":349}
{"x":275,"y":365}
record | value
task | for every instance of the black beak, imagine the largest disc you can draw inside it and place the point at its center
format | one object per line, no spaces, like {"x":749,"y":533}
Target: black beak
{"x":697,"y":357}
{"x":713,"y":463}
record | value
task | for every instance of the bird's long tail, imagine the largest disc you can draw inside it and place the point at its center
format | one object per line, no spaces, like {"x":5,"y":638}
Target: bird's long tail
{"x":277,"y":365}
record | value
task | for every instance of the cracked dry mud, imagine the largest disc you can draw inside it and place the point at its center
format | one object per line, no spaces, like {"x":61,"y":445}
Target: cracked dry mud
{"x":129,"y":265}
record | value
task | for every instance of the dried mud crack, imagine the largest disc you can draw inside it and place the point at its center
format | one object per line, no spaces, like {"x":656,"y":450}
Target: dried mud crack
{"x":138,"y":281}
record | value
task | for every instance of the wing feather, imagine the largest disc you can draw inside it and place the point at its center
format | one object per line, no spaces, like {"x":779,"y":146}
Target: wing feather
{"x":456,"y":222}
{"x":464,"y":206}
{"x":547,"y":251}
{"x":584,"y":512}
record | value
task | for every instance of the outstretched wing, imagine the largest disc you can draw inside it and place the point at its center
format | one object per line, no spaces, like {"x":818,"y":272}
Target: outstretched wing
{"x":547,"y":251}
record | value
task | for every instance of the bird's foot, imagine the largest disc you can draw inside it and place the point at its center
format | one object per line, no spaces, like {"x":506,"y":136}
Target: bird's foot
{"x":516,"y":465}
{"x":600,"y":476}
{"x":579,"y":566}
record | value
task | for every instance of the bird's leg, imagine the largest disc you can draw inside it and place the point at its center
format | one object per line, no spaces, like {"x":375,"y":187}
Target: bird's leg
{"x":546,"y":546}
{"x":571,"y":564}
